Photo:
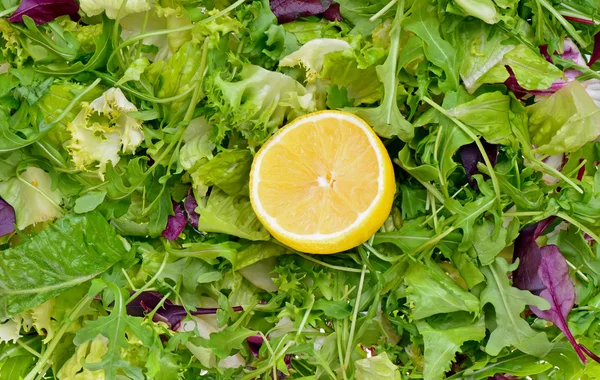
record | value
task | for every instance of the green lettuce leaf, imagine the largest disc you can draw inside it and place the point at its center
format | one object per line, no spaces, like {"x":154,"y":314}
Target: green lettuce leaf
{"x":443,"y":337}
{"x":75,"y":249}
{"x":565,"y":121}
{"x":488,"y":115}
{"x":430,"y":291}
{"x":231,"y":215}
{"x":257,"y":104}
{"x":229,"y":171}
{"x":32,"y":197}
{"x":378,"y":367}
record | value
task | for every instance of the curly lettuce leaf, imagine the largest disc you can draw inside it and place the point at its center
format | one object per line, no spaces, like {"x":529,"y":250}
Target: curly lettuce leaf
{"x":114,"y":8}
{"x":258,"y":103}
{"x":231,"y":215}
{"x":443,"y":336}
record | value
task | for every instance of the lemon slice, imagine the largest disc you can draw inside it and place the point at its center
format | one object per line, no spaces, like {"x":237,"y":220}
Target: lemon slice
{"x":323,"y":183}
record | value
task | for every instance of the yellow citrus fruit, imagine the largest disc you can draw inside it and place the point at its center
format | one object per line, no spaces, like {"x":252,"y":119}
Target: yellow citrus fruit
{"x":323,"y":183}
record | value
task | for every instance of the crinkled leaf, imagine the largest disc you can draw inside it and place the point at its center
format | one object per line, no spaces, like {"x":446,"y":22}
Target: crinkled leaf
{"x":73,"y":250}
{"x":430,"y":291}
{"x":443,"y":338}
{"x":378,"y":367}
{"x":230,"y":214}
{"x":175,"y":223}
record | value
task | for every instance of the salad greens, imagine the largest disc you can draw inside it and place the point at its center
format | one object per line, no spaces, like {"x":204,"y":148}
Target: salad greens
{"x":128,"y":243}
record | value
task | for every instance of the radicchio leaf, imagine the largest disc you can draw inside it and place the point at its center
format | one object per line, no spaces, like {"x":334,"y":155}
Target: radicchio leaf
{"x":503,"y":377}
{"x":7,"y":218}
{"x":190,"y":205}
{"x":175,"y":223}
{"x":43,"y":11}
{"x":255,"y":342}
{"x":596,"y":53}
{"x":544,"y":272}
{"x":470,"y":156}
{"x":290,"y":10}
{"x":169,"y":313}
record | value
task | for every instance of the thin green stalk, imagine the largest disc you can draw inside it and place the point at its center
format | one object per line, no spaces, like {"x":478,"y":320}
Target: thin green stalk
{"x":583,"y":228}
{"x":383,"y":10}
{"x":381,"y":256}
{"x":432,"y":242}
{"x":566,"y":24}
{"x":8,"y":11}
{"x":72,"y":317}
{"x":435,"y":158}
{"x":343,"y":269}
{"x":523,"y":213}
{"x":477,"y":142}
{"x":578,"y":272}
{"x":556,"y":173}
{"x":354,"y":317}
{"x":28,"y":348}
{"x":152,"y":280}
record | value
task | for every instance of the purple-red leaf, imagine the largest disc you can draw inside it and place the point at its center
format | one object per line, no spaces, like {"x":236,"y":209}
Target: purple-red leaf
{"x":470,"y":156}
{"x":545,"y":273}
{"x":43,"y":11}
{"x":168,"y":313}
{"x":503,"y":377}
{"x":596,"y":53}
{"x":175,"y":223}
{"x":7,"y":218}
{"x":254,"y":344}
{"x":190,"y":205}
{"x":290,"y":10}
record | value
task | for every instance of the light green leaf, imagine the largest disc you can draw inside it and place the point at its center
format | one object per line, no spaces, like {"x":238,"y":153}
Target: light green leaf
{"x":484,"y":48}
{"x":73,"y":250}
{"x":516,"y":364}
{"x":333,"y":309}
{"x":231,"y":215}
{"x":89,"y":201}
{"x":533,"y":72}
{"x":424,"y":172}
{"x":482,"y":9}
{"x":488,"y":241}
{"x":228,"y":170}
{"x":311,"y":56}
{"x":134,"y":71}
{"x":230,"y":339}
{"x":577,"y":250}
{"x":32,"y":197}
{"x":377,"y":368}
{"x":488,"y":115}
{"x":509,"y":302}
{"x":443,"y":338}
{"x":565,"y":121}
{"x":430,"y":291}
{"x":257,"y":251}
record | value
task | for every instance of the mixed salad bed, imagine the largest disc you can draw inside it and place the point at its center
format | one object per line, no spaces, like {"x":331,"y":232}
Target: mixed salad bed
{"x":129,"y":245}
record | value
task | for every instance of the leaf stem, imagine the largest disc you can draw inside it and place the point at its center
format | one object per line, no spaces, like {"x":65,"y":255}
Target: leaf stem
{"x":73,"y":315}
{"x":8,"y":11}
{"x":354,"y":317}
{"x":383,"y":10}
{"x":152,"y":280}
{"x":552,"y":171}
{"x":343,"y":269}
{"x":583,"y":228}
{"x":477,"y":142}
{"x":567,"y":25}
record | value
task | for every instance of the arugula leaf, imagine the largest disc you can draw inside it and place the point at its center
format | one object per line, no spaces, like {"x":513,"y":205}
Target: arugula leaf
{"x":467,"y":215}
{"x":73,"y":250}
{"x":114,"y":327}
{"x":222,"y":343}
{"x":425,"y":24}
{"x":411,"y":235}
{"x":508,"y":303}
{"x":387,"y":120}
